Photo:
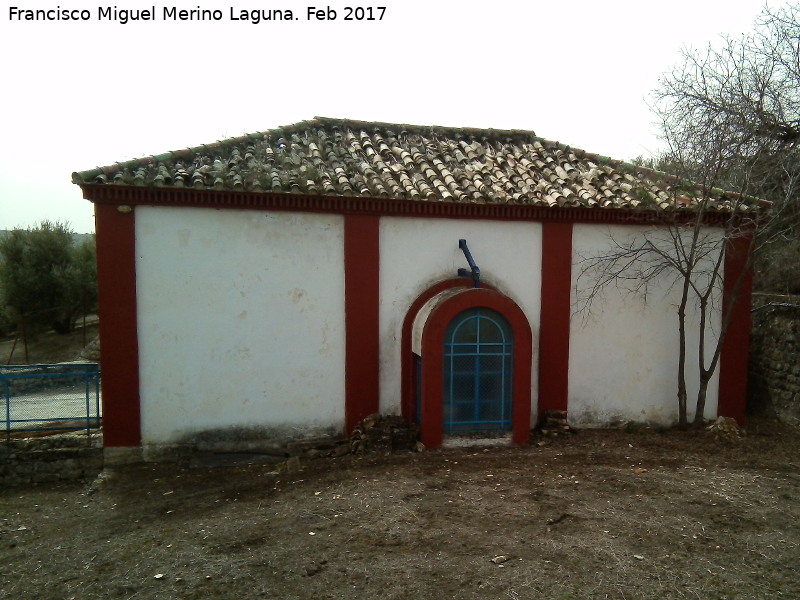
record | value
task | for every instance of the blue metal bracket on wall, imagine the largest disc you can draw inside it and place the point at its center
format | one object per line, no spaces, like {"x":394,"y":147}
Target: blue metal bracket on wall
{"x":475,"y":272}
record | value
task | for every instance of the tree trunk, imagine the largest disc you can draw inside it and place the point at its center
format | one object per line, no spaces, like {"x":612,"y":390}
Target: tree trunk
{"x":682,"y":395}
{"x":705,"y":377}
{"x":64,"y":324}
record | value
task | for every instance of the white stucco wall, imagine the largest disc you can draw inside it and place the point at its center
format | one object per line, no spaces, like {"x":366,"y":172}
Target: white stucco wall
{"x":624,"y":352}
{"x":241,"y":321}
{"x":415,"y":254}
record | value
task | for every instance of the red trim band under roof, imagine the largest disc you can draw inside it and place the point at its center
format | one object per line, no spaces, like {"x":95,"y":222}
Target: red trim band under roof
{"x":221,"y":199}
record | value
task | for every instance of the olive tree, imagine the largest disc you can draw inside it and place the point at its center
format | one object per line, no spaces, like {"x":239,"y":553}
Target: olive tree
{"x":45,"y":277}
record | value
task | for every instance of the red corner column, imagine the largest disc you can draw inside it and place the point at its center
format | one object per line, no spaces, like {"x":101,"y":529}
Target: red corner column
{"x":361,"y":298}
{"x":555,"y":316}
{"x":116,"y":280}
{"x":737,"y":290}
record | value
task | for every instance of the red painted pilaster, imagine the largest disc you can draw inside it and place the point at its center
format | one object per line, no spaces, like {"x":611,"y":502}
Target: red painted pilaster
{"x":737,"y":289}
{"x":555,"y":317}
{"x":362,"y":295}
{"x":119,"y":362}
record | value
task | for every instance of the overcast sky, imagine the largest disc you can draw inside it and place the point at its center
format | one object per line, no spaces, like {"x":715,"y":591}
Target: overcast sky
{"x":87,"y":93}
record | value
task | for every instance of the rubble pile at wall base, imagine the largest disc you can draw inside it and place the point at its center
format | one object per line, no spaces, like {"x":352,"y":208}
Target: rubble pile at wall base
{"x":774,"y":351}
{"x":64,"y":457}
{"x":384,"y":433}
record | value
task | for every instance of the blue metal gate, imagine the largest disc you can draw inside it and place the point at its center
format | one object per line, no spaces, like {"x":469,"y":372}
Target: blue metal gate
{"x":56,"y":397}
{"x":478,"y":372}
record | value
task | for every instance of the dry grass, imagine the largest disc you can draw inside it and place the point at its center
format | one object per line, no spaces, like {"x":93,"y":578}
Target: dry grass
{"x":595,"y":515}
{"x":47,"y":348}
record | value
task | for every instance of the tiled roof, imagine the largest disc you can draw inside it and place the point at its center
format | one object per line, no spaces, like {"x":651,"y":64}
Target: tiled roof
{"x":337,"y":157}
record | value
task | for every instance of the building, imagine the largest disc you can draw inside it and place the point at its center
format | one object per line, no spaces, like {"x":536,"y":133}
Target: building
{"x":289,"y":283}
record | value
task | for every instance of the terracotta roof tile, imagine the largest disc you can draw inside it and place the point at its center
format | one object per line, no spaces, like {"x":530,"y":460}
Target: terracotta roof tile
{"x":337,"y":157}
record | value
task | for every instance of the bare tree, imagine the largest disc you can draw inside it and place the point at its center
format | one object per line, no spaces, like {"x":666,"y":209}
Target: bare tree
{"x":685,"y":249}
{"x":730,"y":119}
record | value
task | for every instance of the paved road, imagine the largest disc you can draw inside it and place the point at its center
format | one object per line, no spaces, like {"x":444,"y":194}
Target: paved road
{"x":32,"y":410}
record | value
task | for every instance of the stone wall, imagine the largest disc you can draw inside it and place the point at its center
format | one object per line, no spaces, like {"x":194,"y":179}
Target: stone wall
{"x":65,"y":457}
{"x":775,"y":357}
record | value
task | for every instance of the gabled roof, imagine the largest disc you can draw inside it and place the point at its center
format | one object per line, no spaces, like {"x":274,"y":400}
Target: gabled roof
{"x":344,"y":158}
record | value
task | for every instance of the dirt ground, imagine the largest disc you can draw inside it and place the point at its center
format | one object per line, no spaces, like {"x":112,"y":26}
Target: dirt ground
{"x":595,"y":514}
{"x":48,"y":347}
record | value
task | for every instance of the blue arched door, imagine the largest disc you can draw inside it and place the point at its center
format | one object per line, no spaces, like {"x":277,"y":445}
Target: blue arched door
{"x":478,"y":373}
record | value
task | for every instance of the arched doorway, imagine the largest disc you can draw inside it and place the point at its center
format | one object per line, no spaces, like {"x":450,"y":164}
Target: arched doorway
{"x":478,"y":357}
{"x":492,"y":379}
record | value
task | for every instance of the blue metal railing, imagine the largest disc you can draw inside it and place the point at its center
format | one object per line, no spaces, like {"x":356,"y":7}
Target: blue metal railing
{"x":59,"y":397}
